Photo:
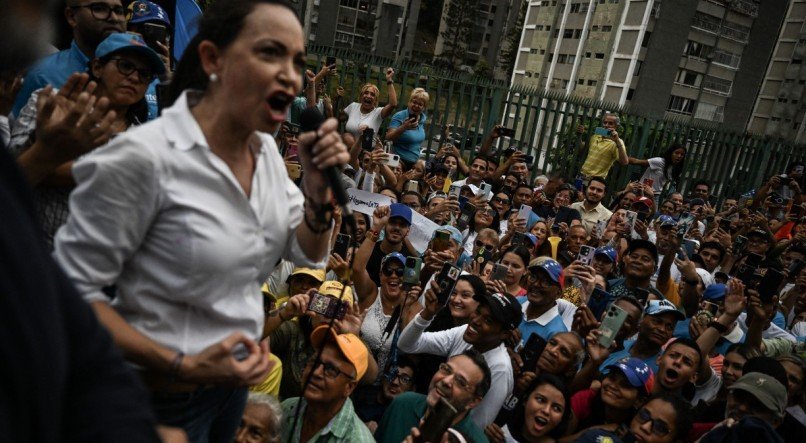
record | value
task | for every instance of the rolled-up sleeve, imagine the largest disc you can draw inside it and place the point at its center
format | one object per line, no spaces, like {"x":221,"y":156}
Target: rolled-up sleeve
{"x":414,"y":340}
{"x":111,"y":209}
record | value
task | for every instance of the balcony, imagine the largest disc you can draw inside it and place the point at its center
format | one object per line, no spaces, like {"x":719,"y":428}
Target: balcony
{"x":745,"y":7}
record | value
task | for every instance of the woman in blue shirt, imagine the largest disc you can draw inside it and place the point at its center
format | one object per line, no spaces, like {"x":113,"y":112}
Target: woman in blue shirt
{"x":407,"y":129}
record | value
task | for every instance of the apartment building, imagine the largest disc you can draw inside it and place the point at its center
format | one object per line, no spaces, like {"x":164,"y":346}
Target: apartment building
{"x":780,"y":110}
{"x":493,"y":19}
{"x":704,"y":59}
{"x":379,"y":27}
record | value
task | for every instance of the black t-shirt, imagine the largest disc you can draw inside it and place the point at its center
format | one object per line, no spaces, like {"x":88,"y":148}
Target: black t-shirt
{"x":374,"y":264}
{"x":563,"y":214}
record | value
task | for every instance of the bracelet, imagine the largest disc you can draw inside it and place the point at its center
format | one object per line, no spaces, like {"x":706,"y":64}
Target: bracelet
{"x":718,"y":326}
{"x":373,"y":236}
{"x":176,"y":364}
{"x":390,"y":82}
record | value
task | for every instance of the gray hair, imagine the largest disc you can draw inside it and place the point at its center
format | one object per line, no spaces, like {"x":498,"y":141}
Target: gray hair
{"x":611,"y":114}
{"x":259,"y":398}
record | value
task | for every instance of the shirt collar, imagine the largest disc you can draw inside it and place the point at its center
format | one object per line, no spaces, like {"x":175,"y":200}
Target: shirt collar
{"x":78,"y":54}
{"x":545,"y":317}
{"x":339,"y":425}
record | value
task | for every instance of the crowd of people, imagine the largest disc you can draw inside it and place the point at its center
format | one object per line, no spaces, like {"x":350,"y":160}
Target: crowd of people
{"x":461,"y":297}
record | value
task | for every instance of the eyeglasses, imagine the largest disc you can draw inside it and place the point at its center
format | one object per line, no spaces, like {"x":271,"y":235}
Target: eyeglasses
{"x":659,"y":427}
{"x":501,"y":200}
{"x":388,"y":271}
{"x":536,"y":277}
{"x":102,"y":11}
{"x":329,"y":369}
{"x":126,"y":68}
{"x":481,"y":244}
{"x":460,"y":381}
{"x":403,"y":379}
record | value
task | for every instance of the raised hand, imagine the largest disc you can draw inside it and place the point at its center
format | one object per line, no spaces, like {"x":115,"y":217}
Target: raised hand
{"x":217,"y":364}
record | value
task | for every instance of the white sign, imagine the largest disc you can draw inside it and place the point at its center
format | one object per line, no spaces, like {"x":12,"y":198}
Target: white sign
{"x":422,"y":229}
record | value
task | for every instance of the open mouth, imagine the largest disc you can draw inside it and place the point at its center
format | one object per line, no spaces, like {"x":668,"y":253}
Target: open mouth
{"x":278,"y":105}
{"x":671,"y":376}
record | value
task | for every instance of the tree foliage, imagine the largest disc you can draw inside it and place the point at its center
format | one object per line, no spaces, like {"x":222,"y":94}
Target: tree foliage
{"x":509,"y":51}
{"x":460,"y":19}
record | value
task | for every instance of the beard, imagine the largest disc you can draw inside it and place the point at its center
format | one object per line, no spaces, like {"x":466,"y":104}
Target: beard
{"x":26,"y":32}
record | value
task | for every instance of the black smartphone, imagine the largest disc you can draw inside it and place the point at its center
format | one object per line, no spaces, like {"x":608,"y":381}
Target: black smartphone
{"x":642,"y":216}
{"x":342,"y":244}
{"x":529,"y":159}
{"x":328,"y":306}
{"x":506,"y":132}
{"x":367,"y":139}
{"x":153,"y":33}
{"x":724,"y":224}
{"x":739,"y":244}
{"x":598,"y":301}
{"x":483,"y":255}
{"x":162,"y":95}
{"x":530,"y":353}
{"x":437,"y":422}
{"x":518,"y":239}
{"x":769,"y":284}
{"x":330,"y":61}
{"x":468,"y":212}
{"x":447,"y":280}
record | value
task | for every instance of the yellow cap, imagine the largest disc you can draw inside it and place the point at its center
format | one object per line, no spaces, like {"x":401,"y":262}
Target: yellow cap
{"x":351,"y":347}
{"x":333,"y":289}
{"x":318,"y":274}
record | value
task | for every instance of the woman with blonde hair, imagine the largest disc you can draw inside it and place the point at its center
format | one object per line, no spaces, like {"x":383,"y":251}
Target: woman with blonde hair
{"x":407,"y":129}
{"x":365,"y":113}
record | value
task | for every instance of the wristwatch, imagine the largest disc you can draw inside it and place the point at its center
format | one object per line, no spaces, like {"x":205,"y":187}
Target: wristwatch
{"x":718,"y":326}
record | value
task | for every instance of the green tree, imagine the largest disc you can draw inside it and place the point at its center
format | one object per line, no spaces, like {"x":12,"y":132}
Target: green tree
{"x":506,"y":58}
{"x":459,"y":19}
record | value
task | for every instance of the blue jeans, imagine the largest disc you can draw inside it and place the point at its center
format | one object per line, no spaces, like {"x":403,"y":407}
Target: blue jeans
{"x":207,"y":415}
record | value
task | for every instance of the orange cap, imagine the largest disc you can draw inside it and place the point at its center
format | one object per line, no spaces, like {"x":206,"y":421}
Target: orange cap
{"x":351,"y":347}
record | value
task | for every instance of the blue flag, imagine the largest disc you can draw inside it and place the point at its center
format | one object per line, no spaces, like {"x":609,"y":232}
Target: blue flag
{"x":185,"y":25}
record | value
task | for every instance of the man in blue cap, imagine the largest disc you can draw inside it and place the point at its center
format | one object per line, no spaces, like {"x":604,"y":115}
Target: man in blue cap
{"x":151,"y":21}
{"x":640,"y":262}
{"x":395,"y":221}
{"x":541,"y":314}
{"x":604,"y":261}
{"x":92,"y":21}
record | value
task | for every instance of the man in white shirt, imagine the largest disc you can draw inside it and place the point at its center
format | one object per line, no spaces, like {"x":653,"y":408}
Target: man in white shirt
{"x":591,"y":209}
{"x":476,"y":174}
{"x":496,"y":315}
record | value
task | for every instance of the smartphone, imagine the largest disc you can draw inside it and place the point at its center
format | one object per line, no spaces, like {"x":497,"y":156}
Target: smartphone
{"x":585,"y":255}
{"x":604,"y":132}
{"x":411,"y":275}
{"x":681,"y":253}
{"x":342,"y":244}
{"x":437,"y":422}
{"x":467,"y":214}
{"x":631,"y":217}
{"x":485,"y":190}
{"x":506,"y":132}
{"x":769,"y":284}
{"x":294,"y":170}
{"x":447,"y":280}
{"x":739,"y":244}
{"x":529,"y":159}
{"x":649,"y":182}
{"x":391,"y":160}
{"x":367,"y":139}
{"x":724,"y":224}
{"x":690,"y":246}
{"x":523,"y":212}
{"x":643,"y":216}
{"x":327,"y":306}
{"x":454,"y":191}
{"x":483,"y":255}
{"x":153,"y":33}
{"x":441,"y":241}
{"x":754,"y":260}
{"x":412,"y":186}
{"x":330,"y":61}
{"x":530,"y":353}
{"x":795,"y":267}
{"x":239,"y":352}
{"x":499,"y":272}
{"x":598,"y":301}
{"x":713,"y":308}
{"x":601,"y":226}
{"x":611,"y":323}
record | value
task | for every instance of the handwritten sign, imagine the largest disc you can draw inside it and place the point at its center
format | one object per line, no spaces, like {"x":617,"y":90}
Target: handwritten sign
{"x":422,"y":229}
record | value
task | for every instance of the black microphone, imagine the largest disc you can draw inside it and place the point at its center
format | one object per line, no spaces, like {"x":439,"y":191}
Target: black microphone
{"x":310,"y":120}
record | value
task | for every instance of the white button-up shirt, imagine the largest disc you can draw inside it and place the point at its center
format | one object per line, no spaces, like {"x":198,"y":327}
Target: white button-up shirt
{"x":158,"y":214}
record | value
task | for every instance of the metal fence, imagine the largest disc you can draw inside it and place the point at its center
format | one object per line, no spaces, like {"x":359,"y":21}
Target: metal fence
{"x":546,"y":124}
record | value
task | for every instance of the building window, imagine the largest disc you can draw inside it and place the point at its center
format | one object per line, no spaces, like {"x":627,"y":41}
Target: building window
{"x":592,"y":82}
{"x":595,"y":28}
{"x":556,"y":33}
{"x":707,"y":111}
{"x":688,"y":78}
{"x":577,"y":33}
{"x":782,"y":100}
{"x":542,"y":51}
{"x":607,"y":28}
{"x":681,"y":105}
{"x":539,"y":28}
{"x":565,"y":83}
{"x":548,"y":27}
{"x":638,"y":65}
{"x":587,"y":55}
{"x":575,"y":8}
{"x":571,"y":59}
{"x":706,"y":22}
{"x":568,"y":33}
{"x":600,"y":55}
{"x":630,"y":93}
{"x":717,"y":85}
{"x":735,"y":31}
{"x":726,"y":58}
{"x":562,"y":58}
{"x":696,"y":50}
{"x":581,"y":81}
{"x":550,"y":57}
{"x":645,"y":41}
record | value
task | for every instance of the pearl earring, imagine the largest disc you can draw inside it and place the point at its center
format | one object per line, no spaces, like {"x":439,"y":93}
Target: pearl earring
{"x":213,"y":77}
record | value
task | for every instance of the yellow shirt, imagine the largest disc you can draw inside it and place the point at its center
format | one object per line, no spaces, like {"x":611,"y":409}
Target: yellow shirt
{"x":602,"y":153}
{"x":271,"y":384}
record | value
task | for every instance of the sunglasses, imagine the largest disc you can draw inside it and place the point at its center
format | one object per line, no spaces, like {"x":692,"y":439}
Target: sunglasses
{"x":659,"y":427}
{"x":481,"y":244}
{"x":388,"y":271}
{"x":503,"y":201}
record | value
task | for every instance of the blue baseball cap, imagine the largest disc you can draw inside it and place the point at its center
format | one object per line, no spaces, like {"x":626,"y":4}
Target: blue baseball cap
{"x":400,"y":210}
{"x":551,"y":266}
{"x":715,"y":292}
{"x":455,"y":234}
{"x":657,"y":307}
{"x":637,"y":372}
{"x":129,"y":42}
{"x":145,"y":11}
{"x":393,"y":256}
{"x":666,"y":220}
{"x":531,"y":238}
{"x":607,"y":251}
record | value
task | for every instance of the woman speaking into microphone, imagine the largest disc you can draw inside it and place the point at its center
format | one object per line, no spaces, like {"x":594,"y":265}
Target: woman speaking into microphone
{"x":187,"y":215}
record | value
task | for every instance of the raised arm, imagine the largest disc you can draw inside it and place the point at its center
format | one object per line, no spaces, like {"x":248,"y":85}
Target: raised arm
{"x":364,"y":285}
{"x":390,"y":89}
{"x":735,"y":302}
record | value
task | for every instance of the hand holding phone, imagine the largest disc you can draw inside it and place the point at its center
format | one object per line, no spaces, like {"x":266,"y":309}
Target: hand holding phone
{"x":611,"y":323}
